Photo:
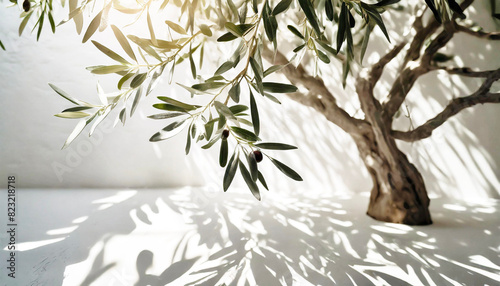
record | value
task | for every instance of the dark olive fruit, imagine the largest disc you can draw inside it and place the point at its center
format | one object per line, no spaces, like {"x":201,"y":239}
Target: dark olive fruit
{"x":26,"y":5}
{"x":258,"y":156}
{"x":225,"y":134}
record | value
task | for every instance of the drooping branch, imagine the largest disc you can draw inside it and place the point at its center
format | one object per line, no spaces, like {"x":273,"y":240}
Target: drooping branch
{"x":481,"y":96}
{"x":318,"y":96}
{"x":478,"y":34}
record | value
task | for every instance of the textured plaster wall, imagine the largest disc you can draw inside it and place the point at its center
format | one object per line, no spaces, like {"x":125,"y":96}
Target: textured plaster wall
{"x":461,"y":160}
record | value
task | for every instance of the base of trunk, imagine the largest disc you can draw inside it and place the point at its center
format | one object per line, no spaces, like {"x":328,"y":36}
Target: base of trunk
{"x":399,"y":211}
{"x":399,"y":196}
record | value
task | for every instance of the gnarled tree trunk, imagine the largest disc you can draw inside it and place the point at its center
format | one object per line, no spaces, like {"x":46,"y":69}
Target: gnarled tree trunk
{"x":398,"y":194}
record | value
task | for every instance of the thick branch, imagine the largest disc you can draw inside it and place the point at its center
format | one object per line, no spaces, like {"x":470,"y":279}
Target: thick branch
{"x":440,"y":41}
{"x":466,"y":72}
{"x":402,"y":85}
{"x":378,"y":68}
{"x":482,"y":95}
{"x":318,"y":97}
{"x":479,"y":34}
{"x":416,"y":44}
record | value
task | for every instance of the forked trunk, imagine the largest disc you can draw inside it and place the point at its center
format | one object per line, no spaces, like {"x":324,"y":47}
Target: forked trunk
{"x":398,"y":194}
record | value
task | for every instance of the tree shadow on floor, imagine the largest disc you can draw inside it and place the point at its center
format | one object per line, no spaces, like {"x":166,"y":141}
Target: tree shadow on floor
{"x":329,"y":241}
{"x":232,"y":239}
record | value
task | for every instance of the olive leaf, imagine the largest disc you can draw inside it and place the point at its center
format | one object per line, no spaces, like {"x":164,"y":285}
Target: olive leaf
{"x":166,"y":115}
{"x":238,"y":109}
{"x":281,"y":6}
{"x":249,"y":181}
{"x":208,"y":85}
{"x":286,"y":170}
{"x":224,"y":110}
{"x":76,"y":131}
{"x":386,"y":2}
{"x":92,"y":27}
{"x":234,"y":92}
{"x":69,"y":98}
{"x":205,"y":30}
{"x":224,"y":67}
{"x":223,"y":153}
{"x":169,"y":131}
{"x":138,"y":80}
{"x":274,"y":146}
{"x":295,"y":31}
{"x":231,"y":168}
{"x":252,"y":164}
{"x":239,"y":30}
{"x":275,"y":87}
{"x":72,"y":114}
{"x":184,"y":106}
{"x":135,"y":103}
{"x":255,"y":114}
{"x":176,"y":27}
{"x":375,"y":15}
{"x":188,"y":142}
{"x":226,"y":37}
{"x":311,"y":16}
{"x":108,"y":52}
{"x":123,"y":42}
{"x":245,"y":134}
{"x":262,"y":180}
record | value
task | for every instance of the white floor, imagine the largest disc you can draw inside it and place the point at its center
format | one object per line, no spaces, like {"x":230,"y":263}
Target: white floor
{"x":198,"y":237}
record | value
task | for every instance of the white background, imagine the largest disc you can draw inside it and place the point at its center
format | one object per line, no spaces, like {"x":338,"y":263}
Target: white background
{"x":461,"y":159}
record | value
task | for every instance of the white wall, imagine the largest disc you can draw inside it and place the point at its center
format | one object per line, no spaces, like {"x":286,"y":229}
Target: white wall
{"x":461,"y":160}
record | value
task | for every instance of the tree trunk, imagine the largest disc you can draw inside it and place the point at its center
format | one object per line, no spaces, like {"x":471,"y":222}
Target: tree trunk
{"x":398,"y":194}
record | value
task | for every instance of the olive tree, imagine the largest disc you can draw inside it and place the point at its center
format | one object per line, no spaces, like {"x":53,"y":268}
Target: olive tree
{"x":259,"y":34}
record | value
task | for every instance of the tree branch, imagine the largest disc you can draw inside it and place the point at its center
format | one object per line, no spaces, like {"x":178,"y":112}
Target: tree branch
{"x":407,"y":78}
{"x":440,"y":41}
{"x":481,"y":96}
{"x":318,"y":97}
{"x":478,"y":34}
{"x":416,"y":44}
{"x":377,"y":69}
{"x":466,"y":72}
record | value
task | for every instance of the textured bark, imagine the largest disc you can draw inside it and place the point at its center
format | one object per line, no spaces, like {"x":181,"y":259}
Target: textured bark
{"x":398,"y":194}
